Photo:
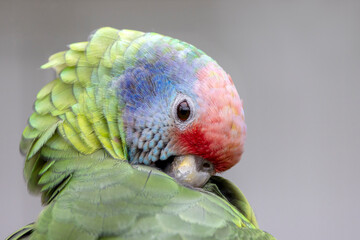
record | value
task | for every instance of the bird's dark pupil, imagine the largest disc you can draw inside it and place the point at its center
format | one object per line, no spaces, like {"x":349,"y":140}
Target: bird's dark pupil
{"x":183,"y":111}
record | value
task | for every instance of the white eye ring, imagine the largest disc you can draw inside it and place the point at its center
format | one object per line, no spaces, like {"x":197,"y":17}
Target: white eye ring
{"x":182,"y":124}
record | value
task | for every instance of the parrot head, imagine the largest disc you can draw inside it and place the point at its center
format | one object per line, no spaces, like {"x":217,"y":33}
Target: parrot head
{"x":178,"y":102}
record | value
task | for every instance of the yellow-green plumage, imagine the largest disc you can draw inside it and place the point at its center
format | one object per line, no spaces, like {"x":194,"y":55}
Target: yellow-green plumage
{"x":68,"y":106}
{"x":76,"y":156}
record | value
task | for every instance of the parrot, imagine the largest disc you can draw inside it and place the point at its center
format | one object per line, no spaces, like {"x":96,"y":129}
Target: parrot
{"x":128,"y":140}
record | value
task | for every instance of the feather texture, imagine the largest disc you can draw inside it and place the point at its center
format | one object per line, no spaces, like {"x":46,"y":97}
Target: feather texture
{"x":75,"y":109}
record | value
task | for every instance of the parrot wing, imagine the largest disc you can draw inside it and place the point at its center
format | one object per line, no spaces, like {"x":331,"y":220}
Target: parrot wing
{"x":110,"y":199}
{"x":226,"y":189}
{"x":22,"y":233}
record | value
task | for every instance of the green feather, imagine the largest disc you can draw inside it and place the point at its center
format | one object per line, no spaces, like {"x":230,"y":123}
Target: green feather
{"x":229,"y":191}
{"x":42,"y":122}
{"x":44,"y":105}
{"x":79,"y":46}
{"x":42,"y":139}
{"x":68,"y":75}
{"x":100,"y":41}
{"x":46,"y":90}
{"x":62,"y":96}
{"x":23,"y":233}
{"x":72,"y":57}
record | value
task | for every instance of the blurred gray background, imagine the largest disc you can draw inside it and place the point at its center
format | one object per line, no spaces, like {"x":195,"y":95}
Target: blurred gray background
{"x":296,"y":64}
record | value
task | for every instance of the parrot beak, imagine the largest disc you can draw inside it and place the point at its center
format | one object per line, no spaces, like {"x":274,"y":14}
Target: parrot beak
{"x":190,"y":170}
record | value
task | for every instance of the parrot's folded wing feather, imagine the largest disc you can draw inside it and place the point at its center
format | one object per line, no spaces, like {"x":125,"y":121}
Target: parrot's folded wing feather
{"x":229,"y":191}
{"x":22,"y":233}
{"x":253,"y":234}
{"x":111,"y":198}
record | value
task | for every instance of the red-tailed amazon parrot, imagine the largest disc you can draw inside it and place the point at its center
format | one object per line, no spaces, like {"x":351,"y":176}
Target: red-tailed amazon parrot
{"x":126,"y":141}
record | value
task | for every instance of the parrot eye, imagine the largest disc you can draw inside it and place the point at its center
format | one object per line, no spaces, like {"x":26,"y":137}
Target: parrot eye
{"x":183,"y":111}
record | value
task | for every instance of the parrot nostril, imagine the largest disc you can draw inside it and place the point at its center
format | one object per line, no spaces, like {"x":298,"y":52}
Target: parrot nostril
{"x":206,"y":165}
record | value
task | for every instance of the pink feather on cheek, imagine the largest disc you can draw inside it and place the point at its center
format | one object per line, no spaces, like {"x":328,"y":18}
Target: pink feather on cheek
{"x":219,"y":132}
